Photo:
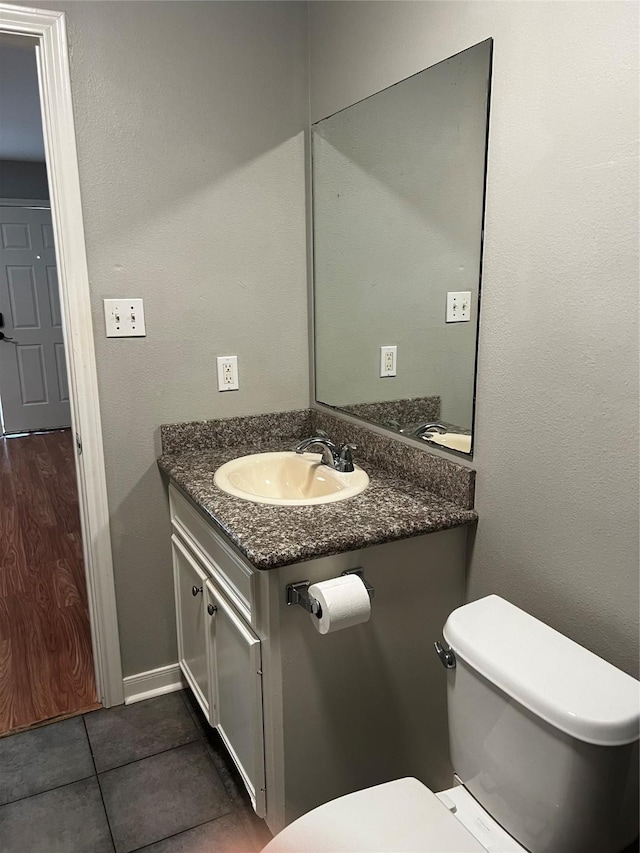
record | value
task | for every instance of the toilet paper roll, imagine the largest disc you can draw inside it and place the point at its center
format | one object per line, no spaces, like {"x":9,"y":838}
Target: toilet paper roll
{"x":344,"y":601}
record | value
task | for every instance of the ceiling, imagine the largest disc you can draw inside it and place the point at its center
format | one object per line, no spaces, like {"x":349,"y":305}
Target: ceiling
{"x":20,"y":123}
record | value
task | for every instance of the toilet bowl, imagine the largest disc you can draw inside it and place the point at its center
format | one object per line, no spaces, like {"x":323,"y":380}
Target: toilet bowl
{"x":544,"y":741}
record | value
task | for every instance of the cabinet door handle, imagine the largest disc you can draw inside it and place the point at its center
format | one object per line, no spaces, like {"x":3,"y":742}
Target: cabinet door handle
{"x":195,"y":590}
{"x":211,"y":609}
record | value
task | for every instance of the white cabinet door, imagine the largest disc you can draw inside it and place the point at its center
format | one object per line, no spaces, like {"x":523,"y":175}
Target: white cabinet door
{"x":236,"y":694}
{"x":189,"y":581}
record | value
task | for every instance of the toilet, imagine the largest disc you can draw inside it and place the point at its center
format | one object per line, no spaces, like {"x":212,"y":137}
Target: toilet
{"x":544,"y":743}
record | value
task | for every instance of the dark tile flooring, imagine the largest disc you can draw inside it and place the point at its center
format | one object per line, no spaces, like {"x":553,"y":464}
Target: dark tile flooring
{"x":152,"y":776}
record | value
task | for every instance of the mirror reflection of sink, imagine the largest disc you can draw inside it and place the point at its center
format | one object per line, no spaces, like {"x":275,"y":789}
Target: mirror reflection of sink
{"x":287,"y":478}
{"x":452,"y":440}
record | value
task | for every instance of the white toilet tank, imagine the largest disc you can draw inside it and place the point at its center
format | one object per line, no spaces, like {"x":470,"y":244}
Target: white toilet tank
{"x":543,"y":733}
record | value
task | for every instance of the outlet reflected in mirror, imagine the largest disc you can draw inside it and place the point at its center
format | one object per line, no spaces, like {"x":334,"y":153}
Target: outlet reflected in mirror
{"x":398,"y":205}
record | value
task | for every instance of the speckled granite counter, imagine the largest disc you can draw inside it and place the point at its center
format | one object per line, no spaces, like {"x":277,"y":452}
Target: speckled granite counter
{"x":391,"y":508}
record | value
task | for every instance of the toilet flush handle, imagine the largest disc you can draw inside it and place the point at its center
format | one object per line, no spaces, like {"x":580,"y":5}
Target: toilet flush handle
{"x":447,"y":656}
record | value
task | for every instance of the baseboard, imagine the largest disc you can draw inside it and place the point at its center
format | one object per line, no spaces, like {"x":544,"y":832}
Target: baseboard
{"x":154,"y":682}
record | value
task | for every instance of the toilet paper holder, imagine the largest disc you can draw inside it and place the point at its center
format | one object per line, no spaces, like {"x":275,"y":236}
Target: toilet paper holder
{"x":298,"y":592}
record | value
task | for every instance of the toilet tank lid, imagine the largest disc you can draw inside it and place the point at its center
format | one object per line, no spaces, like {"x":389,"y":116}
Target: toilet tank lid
{"x":558,"y":680}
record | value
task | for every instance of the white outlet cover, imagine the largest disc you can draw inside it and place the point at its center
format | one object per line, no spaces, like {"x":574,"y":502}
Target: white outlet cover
{"x":388,"y":361}
{"x":124,"y":318}
{"x":228,"y":373}
{"x":458,"y":306}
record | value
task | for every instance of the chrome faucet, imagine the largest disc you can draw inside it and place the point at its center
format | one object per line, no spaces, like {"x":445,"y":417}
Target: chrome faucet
{"x":431,"y":426}
{"x":338,"y":458}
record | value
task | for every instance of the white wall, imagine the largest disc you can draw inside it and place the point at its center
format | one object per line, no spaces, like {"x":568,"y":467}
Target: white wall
{"x":397,"y":202}
{"x":557,"y":416}
{"x":189,"y":120}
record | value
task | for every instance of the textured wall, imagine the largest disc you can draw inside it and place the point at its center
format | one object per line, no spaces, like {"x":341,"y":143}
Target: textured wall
{"x":189,"y":120}
{"x":397,"y":202}
{"x":557,"y":417}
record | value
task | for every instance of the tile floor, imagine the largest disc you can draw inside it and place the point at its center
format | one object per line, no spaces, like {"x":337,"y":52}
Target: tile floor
{"x":151,"y":776}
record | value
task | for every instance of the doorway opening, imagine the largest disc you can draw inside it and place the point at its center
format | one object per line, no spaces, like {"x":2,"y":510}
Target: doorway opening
{"x":46,"y":659}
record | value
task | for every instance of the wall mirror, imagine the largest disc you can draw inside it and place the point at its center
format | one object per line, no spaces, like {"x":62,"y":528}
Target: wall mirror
{"x":398,"y":206}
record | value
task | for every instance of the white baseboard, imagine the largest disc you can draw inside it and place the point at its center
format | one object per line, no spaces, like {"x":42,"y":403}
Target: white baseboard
{"x":154,"y":682}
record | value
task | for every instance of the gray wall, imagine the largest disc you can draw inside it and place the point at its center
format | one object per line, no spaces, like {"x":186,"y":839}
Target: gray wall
{"x":397,"y":203}
{"x":23,"y":173}
{"x":557,"y":417}
{"x":189,"y":120}
{"x":23,"y":179}
{"x":21,"y":121}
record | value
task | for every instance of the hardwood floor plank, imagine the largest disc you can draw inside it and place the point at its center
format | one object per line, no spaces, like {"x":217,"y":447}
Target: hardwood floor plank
{"x":46,"y":663}
{"x":6,"y":671}
{"x":7,"y":493}
{"x":5,"y":692}
{"x":13,"y":560}
{"x":30,"y":661}
{"x":73,"y":662}
{"x":65,"y":588}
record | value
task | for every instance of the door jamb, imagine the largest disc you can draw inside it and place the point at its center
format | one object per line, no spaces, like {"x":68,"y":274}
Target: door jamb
{"x":48,"y":29}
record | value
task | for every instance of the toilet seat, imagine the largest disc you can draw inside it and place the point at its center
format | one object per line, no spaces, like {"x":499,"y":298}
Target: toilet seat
{"x":402,"y":816}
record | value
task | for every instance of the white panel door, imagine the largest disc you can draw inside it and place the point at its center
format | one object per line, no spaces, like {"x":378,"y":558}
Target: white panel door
{"x":189,"y":580}
{"x":236,"y":691}
{"x":33,"y":374}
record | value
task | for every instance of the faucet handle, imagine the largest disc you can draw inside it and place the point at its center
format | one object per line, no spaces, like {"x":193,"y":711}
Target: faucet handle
{"x":345,"y":459}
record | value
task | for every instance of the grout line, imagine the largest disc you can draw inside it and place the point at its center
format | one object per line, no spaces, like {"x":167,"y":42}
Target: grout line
{"x":182,"y":831}
{"x":152,"y":754}
{"x":47,"y":721}
{"x":205,"y":742}
{"x":97,"y":777}
{"x":47,"y":790}
{"x":237,"y":800}
{"x":161,"y":752}
{"x":201,"y":738}
{"x":144,"y":758}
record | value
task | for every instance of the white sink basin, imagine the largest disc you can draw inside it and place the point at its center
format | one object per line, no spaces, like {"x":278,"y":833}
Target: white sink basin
{"x":288,"y":479}
{"x":452,"y":440}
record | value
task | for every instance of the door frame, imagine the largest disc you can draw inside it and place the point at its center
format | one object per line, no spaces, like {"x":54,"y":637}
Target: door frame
{"x":48,"y":30}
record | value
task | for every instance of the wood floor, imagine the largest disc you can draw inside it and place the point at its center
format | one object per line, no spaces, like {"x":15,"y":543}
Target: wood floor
{"x":46,"y":665}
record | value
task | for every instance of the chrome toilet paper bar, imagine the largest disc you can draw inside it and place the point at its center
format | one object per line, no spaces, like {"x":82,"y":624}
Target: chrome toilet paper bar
{"x":298,"y":593}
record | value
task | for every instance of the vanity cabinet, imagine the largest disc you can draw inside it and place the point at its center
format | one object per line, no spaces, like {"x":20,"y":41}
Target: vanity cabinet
{"x":219,"y":653}
{"x":309,"y":717}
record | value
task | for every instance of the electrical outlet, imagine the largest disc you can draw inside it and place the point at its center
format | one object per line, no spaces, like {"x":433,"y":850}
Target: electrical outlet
{"x":459,"y":306}
{"x":228,"y":373}
{"x":388,"y":361}
{"x":124,"y":318}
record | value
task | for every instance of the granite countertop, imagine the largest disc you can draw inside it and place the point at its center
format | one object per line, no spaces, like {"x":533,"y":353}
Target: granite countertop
{"x":391,"y":508}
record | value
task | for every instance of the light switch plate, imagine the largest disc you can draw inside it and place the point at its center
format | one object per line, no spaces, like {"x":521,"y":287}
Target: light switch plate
{"x":124,"y":318}
{"x":458,"y":306}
